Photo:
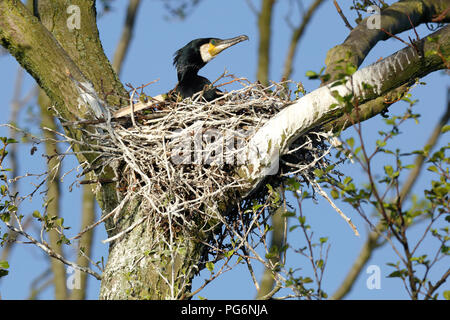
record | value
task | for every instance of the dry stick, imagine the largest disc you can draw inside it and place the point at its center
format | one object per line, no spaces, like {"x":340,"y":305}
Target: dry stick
{"x":123,"y":232}
{"x":106,"y":216}
{"x":132,"y":108}
{"x":414,"y":28}
{"x":325,"y":195}
{"x":339,"y":10}
{"x":398,"y":38}
{"x":53,"y":254}
{"x":139,"y":106}
{"x":442,"y":16}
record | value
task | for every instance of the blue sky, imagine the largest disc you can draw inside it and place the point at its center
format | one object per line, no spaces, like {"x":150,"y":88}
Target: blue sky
{"x":150,"y":57}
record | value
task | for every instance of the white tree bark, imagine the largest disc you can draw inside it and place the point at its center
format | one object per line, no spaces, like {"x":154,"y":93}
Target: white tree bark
{"x":273,"y":139}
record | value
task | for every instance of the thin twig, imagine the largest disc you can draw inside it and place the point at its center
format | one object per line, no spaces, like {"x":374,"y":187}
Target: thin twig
{"x":339,"y":10}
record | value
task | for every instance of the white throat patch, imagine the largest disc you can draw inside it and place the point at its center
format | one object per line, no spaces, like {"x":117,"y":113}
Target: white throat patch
{"x":204,"y":52}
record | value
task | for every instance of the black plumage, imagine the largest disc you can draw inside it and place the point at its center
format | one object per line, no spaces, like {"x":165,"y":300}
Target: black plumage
{"x":194,"y":56}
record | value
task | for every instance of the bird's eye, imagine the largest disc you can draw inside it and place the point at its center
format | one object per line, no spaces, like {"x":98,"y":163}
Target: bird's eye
{"x":213,"y":42}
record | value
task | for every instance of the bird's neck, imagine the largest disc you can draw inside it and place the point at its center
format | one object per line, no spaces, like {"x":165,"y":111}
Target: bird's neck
{"x":188,"y":72}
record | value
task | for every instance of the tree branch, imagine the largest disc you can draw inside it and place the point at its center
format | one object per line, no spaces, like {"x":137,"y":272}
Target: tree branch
{"x":264,"y":28}
{"x":373,"y":237}
{"x":83,"y":45}
{"x":296,"y":36}
{"x":321,"y":105}
{"x":127,"y":34}
{"x":394,"y":19}
{"x":52,"y":201}
{"x":40,"y":54}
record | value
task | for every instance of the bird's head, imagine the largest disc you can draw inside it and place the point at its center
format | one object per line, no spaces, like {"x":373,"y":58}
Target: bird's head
{"x":197,"y":53}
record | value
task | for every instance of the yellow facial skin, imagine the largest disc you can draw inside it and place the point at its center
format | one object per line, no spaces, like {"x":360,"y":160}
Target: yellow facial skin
{"x":216,"y":46}
{"x":212,"y":50}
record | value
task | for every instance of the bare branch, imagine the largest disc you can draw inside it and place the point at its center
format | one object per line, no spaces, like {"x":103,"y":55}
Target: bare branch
{"x":344,"y":18}
{"x":127,"y":34}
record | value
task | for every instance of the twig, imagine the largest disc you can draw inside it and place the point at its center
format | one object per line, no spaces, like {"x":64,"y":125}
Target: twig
{"x":53,"y":254}
{"x":123,"y":232}
{"x":339,"y":10}
{"x":324,"y":194}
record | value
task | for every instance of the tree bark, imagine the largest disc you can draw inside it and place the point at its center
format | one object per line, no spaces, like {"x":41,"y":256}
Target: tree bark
{"x":322,"y":105}
{"x":394,"y":20}
{"x":265,"y":27}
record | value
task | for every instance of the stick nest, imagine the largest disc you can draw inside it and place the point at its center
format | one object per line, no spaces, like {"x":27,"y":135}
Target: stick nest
{"x":181,"y":158}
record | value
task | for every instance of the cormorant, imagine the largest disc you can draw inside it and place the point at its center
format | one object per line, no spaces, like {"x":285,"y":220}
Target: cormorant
{"x":188,"y":61}
{"x":194,"y":56}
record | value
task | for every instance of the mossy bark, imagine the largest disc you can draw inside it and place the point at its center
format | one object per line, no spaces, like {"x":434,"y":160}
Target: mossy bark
{"x":142,"y":265}
{"x":398,"y":17}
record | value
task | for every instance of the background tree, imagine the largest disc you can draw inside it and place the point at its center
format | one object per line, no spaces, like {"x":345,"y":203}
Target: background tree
{"x":63,"y":91}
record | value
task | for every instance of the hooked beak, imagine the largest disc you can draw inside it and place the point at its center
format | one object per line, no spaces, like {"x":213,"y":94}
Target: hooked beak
{"x":221,"y":45}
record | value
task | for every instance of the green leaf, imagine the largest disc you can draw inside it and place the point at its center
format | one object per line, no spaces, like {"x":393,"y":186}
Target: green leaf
{"x":351,"y":142}
{"x":350,"y":69}
{"x":59,"y":222}
{"x":445,"y":128}
{"x":389,"y":170}
{"x":311,"y":74}
{"x":228,"y":254}
{"x":288,"y":214}
{"x":210,"y":266}
{"x":335,"y":194}
{"x":36,"y":214}
{"x":347,"y":180}
{"x":3,"y":189}
{"x":307,"y":280}
{"x":391,"y":264}
{"x":433,"y":169}
{"x":5,"y":216}
{"x":395,"y":274}
{"x":446,"y":295}
{"x":381,"y":143}
{"x":319,"y":263}
{"x":318,"y":173}
{"x":323,"y":239}
{"x":302,"y":220}
{"x":4,"y":264}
